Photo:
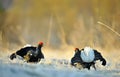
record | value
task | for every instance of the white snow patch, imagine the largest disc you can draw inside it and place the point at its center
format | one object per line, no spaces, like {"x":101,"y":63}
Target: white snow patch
{"x":55,"y":67}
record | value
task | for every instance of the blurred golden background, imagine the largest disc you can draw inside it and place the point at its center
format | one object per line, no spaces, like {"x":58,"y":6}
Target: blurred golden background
{"x":60,"y":23}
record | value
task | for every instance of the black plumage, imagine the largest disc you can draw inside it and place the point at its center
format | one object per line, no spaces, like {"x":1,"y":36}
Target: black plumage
{"x":30,"y":54}
{"x":76,"y":59}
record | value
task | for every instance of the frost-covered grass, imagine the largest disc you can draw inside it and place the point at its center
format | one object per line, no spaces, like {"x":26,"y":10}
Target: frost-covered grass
{"x":53,"y":68}
{"x":57,"y":67}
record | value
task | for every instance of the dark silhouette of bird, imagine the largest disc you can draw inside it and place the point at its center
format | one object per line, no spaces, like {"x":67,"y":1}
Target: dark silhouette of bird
{"x":29,"y":53}
{"x":85,"y":58}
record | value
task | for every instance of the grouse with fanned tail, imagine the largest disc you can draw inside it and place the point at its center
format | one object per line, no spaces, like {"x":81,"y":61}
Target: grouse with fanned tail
{"x":85,"y":58}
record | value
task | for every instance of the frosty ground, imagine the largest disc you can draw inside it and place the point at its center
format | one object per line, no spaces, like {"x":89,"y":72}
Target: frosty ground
{"x":56,"y":67}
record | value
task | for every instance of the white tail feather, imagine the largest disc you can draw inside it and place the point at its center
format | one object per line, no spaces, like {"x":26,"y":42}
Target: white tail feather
{"x":27,"y":45}
{"x":87,"y":54}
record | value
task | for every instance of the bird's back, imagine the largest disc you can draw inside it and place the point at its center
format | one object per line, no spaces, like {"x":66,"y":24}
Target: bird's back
{"x":23,"y":51}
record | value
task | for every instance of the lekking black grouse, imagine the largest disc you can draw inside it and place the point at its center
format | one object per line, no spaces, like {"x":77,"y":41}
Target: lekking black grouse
{"x":29,"y":53}
{"x":85,"y":58}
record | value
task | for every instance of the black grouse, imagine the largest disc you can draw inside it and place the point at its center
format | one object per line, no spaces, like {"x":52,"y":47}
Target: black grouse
{"x":29,"y":53}
{"x":85,"y":58}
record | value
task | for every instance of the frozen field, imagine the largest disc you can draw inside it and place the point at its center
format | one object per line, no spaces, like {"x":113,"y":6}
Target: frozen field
{"x":55,"y":68}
